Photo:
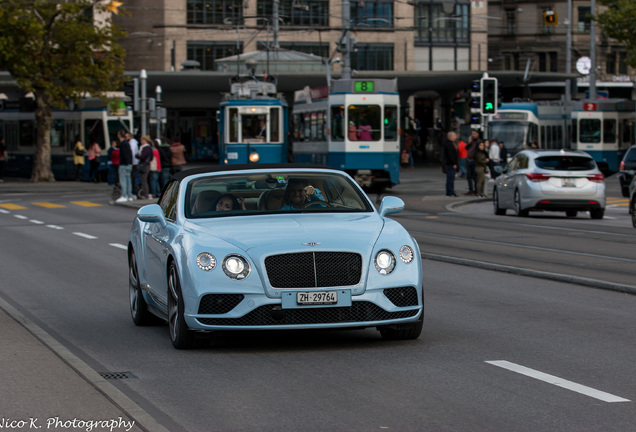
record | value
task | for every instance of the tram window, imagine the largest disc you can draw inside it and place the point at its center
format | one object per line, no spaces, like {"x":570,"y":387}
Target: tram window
{"x":306,"y":131}
{"x":543,"y":138}
{"x":533,"y":135}
{"x":274,"y":122}
{"x":254,"y":126}
{"x":574,"y":137}
{"x":115,"y":126}
{"x":590,"y":130}
{"x":337,"y":123}
{"x":27,"y":133}
{"x":73,"y":129}
{"x":57,"y":133}
{"x":297,"y":127}
{"x":367,"y":120}
{"x":11,"y":136}
{"x":322,"y":126}
{"x":233,"y":125}
{"x":628,"y":132}
{"x":559,"y":137}
{"x":94,"y":132}
{"x":390,"y":122}
{"x":609,"y":131}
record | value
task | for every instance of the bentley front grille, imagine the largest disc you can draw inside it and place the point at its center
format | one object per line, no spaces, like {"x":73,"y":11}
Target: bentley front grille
{"x":314,"y":269}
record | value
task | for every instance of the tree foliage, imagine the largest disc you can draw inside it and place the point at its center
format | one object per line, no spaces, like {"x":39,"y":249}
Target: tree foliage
{"x":618,"y":22}
{"x":57,"y":51}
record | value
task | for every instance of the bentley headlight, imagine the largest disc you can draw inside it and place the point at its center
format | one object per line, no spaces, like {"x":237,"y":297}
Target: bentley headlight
{"x":384,"y":262}
{"x":206,"y":261}
{"x":406,"y":254}
{"x":236,"y":267}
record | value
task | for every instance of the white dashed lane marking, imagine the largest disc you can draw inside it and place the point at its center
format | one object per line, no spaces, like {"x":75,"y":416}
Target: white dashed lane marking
{"x":560,"y":382}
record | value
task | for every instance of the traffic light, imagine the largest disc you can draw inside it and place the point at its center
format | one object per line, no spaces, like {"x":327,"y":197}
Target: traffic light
{"x":475,"y":105}
{"x":131,"y":88}
{"x":489,"y":99}
{"x":550,"y":18}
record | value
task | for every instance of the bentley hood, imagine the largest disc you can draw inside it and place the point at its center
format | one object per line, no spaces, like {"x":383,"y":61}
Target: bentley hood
{"x":293,"y":232}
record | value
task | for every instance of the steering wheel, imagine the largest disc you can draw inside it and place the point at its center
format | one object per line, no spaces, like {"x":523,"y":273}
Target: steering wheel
{"x":316,"y":204}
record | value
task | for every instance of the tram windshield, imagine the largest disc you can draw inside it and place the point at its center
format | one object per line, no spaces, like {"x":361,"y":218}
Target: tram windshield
{"x":515,"y":135}
{"x":365,"y":122}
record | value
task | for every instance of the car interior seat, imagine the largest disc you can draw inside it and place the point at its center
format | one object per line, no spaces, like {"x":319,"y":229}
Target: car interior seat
{"x":205,"y":201}
{"x":271,"y":200}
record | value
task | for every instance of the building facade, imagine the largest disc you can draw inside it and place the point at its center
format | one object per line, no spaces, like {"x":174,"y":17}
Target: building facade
{"x":389,"y":35}
{"x":533,"y":36}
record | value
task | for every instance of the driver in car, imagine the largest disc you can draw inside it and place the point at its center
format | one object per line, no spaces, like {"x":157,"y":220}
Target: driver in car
{"x":300,"y":194}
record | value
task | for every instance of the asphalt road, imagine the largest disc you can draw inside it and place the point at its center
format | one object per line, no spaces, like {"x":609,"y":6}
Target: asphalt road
{"x":499,"y":352}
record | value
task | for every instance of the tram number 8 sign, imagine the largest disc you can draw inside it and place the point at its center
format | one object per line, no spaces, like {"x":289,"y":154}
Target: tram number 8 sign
{"x":364,"y":86}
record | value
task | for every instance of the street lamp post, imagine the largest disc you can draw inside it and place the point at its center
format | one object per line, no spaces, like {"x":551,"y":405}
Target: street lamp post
{"x":143,"y":77}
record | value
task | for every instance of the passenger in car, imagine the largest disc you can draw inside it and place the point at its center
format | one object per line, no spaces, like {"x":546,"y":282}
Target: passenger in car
{"x":229,"y":202}
{"x":299,"y":193}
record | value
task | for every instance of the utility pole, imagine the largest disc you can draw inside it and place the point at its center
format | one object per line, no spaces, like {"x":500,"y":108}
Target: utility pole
{"x":593,"y":53}
{"x":568,"y":56}
{"x":345,"y":43}
{"x":143,"y":77}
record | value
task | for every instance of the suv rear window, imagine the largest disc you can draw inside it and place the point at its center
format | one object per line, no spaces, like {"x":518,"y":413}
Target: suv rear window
{"x":630,"y":156}
{"x":565,"y":163}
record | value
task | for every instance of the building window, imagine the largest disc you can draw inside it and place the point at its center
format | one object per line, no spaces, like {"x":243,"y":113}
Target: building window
{"x":616,"y":63}
{"x":547,"y":62}
{"x":585,"y":19}
{"x":207,"y":52}
{"x":309,"y":13}
{"x":315,"y":48}
{"x":373,"y":57}
{"x":511,"y":61}
{"x":511,"y":21}
{"x":622,"y":63}
{"x":371,"y":13}
{"x":435,"y":26}
{"x":214,"y":12}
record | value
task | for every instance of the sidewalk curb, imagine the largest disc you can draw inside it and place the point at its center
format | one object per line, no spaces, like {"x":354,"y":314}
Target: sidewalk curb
{"x":592,"y":283}
{"x":142,"y":419}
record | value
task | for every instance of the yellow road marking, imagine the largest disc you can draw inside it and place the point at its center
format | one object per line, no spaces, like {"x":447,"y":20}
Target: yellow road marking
{"x":48,"y":205}
{"x":10,"y":206}
{"x":86,"y":204}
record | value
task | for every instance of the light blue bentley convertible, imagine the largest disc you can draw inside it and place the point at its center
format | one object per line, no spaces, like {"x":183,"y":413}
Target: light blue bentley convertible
{"x":272,"y":247}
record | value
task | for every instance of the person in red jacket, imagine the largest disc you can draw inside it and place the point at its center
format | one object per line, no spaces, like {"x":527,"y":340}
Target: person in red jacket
{"x":462,"y":154}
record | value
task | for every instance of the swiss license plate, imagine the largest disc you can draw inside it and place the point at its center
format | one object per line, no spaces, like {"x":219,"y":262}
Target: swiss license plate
{"x":317,"y":298}
{"x":568,"y":182}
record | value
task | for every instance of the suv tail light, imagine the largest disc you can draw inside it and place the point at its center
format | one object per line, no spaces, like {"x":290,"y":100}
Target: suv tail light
{"x":596,"y":178}
{"x":622,"y":168}
{"x":537,"y":177}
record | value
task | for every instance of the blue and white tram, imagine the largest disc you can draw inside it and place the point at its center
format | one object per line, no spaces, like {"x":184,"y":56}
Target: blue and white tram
{"x":531,"y":124}
{"x":604,"y":129}
{"x":253,"y":123}
{"x":352,"y":126}
{"x":91,"y":120}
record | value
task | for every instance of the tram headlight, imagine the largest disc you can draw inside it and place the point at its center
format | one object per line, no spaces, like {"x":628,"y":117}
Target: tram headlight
{"x":254,"y":157}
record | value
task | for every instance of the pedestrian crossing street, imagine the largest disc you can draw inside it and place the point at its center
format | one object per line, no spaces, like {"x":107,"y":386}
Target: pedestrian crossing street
{"x":48,"y":205}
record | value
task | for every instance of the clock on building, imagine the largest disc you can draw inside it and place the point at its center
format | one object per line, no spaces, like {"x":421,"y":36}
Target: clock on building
{"x":583,"y":65}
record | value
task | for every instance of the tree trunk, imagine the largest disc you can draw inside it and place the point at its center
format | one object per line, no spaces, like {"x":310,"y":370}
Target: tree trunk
{"x":42,"y":171}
